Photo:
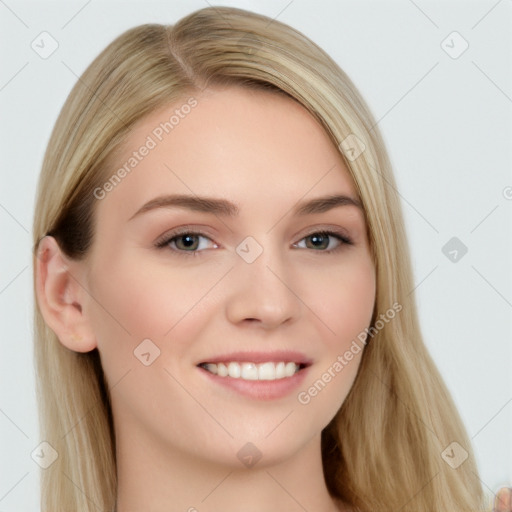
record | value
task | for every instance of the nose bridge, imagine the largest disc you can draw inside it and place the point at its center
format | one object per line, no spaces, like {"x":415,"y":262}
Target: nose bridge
{"x":260,"y":288}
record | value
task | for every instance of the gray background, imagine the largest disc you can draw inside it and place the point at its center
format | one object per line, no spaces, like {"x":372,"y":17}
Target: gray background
{"x":447,"y":125}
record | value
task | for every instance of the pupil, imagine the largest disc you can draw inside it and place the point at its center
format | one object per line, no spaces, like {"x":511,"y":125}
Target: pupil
{"x":318,"y":240}
{"x":188,"y":240}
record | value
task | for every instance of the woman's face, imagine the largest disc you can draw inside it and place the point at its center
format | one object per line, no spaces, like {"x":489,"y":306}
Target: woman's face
{"x":208,"y":254}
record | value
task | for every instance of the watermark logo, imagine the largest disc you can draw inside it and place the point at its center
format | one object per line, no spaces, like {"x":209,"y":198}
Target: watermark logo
{"x":44,"y":455}
{"x":249,"y":249}
{"x":454,"y":45}
{"x":454,"y":455}
{"x":146,"y":352}
{"x":454,"y":249}
{"x":352,"y":147}
{"x":249,"y":455}
{"x":44,"y":45}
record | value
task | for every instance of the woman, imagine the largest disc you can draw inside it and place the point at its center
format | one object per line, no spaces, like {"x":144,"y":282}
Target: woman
{"x":224,"y":314}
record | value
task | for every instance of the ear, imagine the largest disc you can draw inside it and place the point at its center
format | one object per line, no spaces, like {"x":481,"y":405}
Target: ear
{"x":61,"y":296}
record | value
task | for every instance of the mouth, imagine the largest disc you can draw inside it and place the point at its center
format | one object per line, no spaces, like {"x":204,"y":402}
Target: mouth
{"x":257,"y":375}
{"x":269,"y":370}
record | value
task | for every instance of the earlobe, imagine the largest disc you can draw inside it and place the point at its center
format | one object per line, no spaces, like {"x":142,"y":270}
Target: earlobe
{"x":61,"y":297}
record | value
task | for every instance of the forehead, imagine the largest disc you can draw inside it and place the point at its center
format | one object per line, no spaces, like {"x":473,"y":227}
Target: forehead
{"x":237,"y":143}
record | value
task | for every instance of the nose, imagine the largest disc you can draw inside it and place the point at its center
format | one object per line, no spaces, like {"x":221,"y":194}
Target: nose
{"x":262,"y":293}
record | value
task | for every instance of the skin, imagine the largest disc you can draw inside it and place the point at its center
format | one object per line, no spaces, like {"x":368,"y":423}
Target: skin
{"x":177,"y":432}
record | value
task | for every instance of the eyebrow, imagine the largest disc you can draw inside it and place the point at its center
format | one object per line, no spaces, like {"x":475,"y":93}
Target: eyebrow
{"x":226,"y":208}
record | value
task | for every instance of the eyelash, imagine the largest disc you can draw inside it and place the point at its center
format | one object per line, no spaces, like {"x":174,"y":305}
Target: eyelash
{"x":164,"y":243}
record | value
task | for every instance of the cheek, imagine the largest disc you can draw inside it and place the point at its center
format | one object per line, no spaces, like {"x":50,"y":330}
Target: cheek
{"x":134,"y":302}
{"x":345,"y":309}
{"x":344,"y":299}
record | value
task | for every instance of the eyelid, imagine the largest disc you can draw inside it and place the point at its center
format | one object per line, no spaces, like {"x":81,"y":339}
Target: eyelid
{"x":166,"y":238}
{"x":185,"y":229}
{"x":332,"y":231}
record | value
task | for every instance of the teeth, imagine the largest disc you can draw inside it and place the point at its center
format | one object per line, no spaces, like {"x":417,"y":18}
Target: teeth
{"x":253,"y":371}
{"x":267,"y":371}
{"x":222,"y":370}
{"x":249,"y":371}
{"x":234,"y":370}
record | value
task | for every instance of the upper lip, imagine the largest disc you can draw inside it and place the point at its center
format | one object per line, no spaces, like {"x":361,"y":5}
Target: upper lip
{"x":260,"y":357}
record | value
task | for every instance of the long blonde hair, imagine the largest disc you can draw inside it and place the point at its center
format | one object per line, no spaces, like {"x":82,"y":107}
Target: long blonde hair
{"x":383,"y":450}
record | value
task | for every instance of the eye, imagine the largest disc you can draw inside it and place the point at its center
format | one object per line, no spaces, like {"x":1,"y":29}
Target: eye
{"x":185,"y":242}
{"x":325,"y":241}
{"x":191,"y":243}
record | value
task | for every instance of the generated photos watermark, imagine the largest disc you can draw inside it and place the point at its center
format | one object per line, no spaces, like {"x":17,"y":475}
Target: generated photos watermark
{"x":156,"y":136}
{"x":304,"y":397}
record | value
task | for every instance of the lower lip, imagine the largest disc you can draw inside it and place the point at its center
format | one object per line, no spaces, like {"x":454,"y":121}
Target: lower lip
{"x":260,"y":389}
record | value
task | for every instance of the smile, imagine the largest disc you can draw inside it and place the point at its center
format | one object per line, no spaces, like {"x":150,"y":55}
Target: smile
{"x":253,"y":371}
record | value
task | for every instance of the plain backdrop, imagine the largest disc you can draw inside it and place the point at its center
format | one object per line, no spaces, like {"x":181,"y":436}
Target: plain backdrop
{"x":445,"y":115}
